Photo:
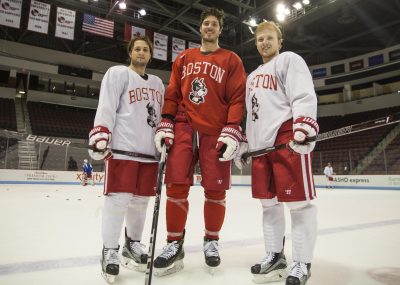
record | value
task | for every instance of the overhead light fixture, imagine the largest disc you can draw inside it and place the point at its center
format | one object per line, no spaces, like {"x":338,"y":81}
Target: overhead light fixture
{"x":306,"y":2}
{"x":280,"y":17}
{"x":122,"y":5}
{"x":280,"y":8}
{"x":252,"y":22}
{"x":297,"y":5}
{"x":251,"y":30}
{"x":142,"y":12}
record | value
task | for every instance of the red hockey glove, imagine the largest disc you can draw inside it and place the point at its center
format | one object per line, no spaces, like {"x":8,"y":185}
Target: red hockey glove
{"x":99,"y":139}
{"x":303,"y":129}
{"x":164,"y":134}
{"x":228,"y":142}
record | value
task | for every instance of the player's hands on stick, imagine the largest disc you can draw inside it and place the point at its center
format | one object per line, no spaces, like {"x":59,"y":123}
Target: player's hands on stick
{"x":99,"y":139}
{"x":239,"y":161}
{"x":304,"y":129}
{"x":228,"y":142}
{"x":164,"y":134}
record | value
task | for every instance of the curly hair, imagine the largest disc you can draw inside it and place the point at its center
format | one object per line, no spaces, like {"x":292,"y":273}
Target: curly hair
{"x":217,"y":13}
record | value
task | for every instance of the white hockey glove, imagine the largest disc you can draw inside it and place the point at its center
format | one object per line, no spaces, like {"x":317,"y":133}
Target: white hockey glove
{"x":99,"y":138}
{"x":239,"y":161}
{"x":164,"y":134}
{"x":228,"y":142}
{"x":303,"y":128}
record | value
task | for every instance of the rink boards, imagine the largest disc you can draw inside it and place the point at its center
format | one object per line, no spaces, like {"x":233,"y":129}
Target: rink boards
{"x":12,"y":176}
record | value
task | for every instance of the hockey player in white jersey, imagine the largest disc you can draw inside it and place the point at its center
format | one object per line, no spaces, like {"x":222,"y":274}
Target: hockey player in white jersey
{"x":281,"y":108}
{"x":128,"y":111}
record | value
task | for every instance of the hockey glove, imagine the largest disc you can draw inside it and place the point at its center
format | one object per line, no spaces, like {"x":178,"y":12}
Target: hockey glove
{"x":228,"y":142}
{"x":99,"y":139}
{"x":304,"y":128}
{"x":239,"y":161}
{"x":164,"y":134}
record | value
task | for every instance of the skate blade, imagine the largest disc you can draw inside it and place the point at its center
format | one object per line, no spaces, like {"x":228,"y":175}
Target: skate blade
{"x":132,"y":265}
{"x":175,"y":267}
{"x":110,"y":279}
{"x":274,"y":276}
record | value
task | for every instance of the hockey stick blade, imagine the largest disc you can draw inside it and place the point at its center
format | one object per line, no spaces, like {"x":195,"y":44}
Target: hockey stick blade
{"x":65,"y":142}
{"x":156,"y":212}
{"x":351,"y":129}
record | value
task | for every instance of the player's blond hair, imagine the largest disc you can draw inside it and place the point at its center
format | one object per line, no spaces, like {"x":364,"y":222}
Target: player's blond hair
{"x":140,"y":38}
{"x":270,"y":25}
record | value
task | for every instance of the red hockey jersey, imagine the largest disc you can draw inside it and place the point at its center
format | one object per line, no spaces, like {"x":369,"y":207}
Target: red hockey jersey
{"x":210,"y":87}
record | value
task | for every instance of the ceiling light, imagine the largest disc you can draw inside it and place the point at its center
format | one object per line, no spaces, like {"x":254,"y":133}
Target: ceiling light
{"x":122,"y":5}
{"x":280,"y":8}
{"x":142,"y":12}
{"x":280,"y":17}
{"x":252,"y":22}
{"x":297,"y":5}
{"x":306,"y":2}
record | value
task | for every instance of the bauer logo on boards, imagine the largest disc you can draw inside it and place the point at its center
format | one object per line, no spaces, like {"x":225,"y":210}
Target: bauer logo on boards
{"x":48,"y":140}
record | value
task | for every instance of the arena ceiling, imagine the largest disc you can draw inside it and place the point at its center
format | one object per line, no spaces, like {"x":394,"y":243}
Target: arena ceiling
{"x":331,"y":30}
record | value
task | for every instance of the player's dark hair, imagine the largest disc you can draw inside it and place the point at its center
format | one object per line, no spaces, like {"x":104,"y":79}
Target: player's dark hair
{"x":217,"y":13}
{"x":140,"y":38}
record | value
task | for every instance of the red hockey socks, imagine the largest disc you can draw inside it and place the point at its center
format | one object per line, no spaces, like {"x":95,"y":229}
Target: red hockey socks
{"x":176,"y":210}
{"x":214,"y":213}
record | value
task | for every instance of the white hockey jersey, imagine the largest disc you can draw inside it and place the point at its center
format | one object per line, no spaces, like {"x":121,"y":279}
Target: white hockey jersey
{"x":277,"y":91}
{"x":130,"y":107}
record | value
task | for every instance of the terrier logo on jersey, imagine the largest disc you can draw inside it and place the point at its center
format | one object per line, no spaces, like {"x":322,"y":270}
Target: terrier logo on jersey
{"x":254,"y":108}
{"x":199,"y":91}
{"x":151,"y":117}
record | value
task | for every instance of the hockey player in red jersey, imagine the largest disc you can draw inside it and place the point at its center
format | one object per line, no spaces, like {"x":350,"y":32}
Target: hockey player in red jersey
{"x":203,"y":108}
{"x":282,"y":106}
{"x":127,"y":115}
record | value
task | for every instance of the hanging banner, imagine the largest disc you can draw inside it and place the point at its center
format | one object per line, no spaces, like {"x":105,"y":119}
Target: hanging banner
{"x":194,"y":45}
{"x":132,"y":31}
{"x":39,"y":17}
{"x":10,"y":13}
{"x":65,"y":23}
{"x":178,"y":46}
{"x":160,"y":46}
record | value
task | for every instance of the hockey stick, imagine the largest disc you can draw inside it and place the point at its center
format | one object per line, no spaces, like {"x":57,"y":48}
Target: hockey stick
{"x":66,"y":143}
{"x":384,"y":121}
{"x":156,"y":212}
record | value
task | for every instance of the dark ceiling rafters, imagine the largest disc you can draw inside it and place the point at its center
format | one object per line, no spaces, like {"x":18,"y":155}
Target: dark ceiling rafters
{"x":318,"y":36}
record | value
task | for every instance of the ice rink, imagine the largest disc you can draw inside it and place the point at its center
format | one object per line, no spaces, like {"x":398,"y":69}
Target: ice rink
{"x":50,"y":235}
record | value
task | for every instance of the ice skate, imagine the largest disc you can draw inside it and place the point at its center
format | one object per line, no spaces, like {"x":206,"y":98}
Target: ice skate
{"x":110,"y":264}
{"x":299,"y":273}
{"x":211,"y":255}
{"x":271,"y":268}
{"x":170,"y":260}
{"x":134,"y":256}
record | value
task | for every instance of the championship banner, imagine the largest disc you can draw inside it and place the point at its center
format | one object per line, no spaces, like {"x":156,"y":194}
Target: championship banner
{"x":10,"y":13}
{"x":132,"y":31}
{"x":39,"y":17}
{"x":178,"y":46}
{"x":65,"y":23}
{"x":160,"y":46}
{"x":194,"y":45}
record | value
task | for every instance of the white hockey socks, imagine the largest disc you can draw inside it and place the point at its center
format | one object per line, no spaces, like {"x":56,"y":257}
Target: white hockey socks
{"x":115,"y":207}
{"x":136,"y":217}
{"x":273,"y":225}
{"x":304,"y":232}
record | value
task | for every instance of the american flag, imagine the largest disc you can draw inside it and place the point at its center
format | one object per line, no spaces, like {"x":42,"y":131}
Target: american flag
{"x":98,"y":26}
